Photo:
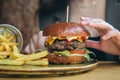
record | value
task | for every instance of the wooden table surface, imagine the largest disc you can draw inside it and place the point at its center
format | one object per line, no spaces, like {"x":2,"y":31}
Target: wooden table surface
{"x":104,"y":71}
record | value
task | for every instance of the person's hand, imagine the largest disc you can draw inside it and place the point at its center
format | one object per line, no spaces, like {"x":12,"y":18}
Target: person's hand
{"x":109,"y":36}
{"x":36,"y":43}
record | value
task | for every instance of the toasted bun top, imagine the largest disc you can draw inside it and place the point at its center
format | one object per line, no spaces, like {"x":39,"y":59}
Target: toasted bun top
{"x":65,"y":29}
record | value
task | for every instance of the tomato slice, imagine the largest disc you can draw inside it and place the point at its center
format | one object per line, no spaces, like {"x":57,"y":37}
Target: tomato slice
{"x":78,"y":51}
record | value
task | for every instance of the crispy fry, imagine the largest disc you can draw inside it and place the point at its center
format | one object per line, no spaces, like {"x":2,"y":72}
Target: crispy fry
{"x":2,"y":48}
{"x":5,"y":53}
{"x":7,"y":47}
{"x":16,"y":54}
{"x":8,"y":35}
{"x":4,"y":39}
{"x":12,"y":44}
{"x":11,"y":62}
{"x":33,"y":56}
{"x":11,"y":38}
{"x":44,"y":59}
{"x":10,"y":55}
{"x":38,"y":62}
{"x":14,"y":39}
{"x":4,"y":33}
{"x":2,"y":57}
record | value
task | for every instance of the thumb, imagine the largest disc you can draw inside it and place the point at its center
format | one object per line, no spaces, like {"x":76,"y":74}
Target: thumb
{"x":93,"y":44}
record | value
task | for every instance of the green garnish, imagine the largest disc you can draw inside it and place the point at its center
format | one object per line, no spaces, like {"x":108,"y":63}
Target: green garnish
{"x":62,"y":53}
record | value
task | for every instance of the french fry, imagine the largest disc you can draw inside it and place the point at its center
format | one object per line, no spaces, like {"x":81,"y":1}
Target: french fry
{"x":33,"y":56}
{"x":10,"y":55}
{"x":11,"y":49}
{"x":4,"y":53}
{"x":11,"y":62}
{"x":7,"y":48}
{"x":42,"y":62}
{"x":4,"y":39}
{"x":16,"y":54}
{"x":44,"y":59}
{"x":2,"y":48}
{"x":11,"y":38}
{"x":5,"y":33}
{"x":2,"y":57}
{"x":14,"y":39}
{"x":12,"y":44}
{"x":8,"y":36}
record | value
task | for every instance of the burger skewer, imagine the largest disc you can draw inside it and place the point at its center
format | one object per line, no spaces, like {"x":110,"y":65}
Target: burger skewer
{"x":67,"y":13}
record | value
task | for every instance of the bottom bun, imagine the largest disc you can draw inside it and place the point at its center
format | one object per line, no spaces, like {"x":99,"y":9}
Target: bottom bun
{"x":65,"y":60}
{"x":76,"y":59}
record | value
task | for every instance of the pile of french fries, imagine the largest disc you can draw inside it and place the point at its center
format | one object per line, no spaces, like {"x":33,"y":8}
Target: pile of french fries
{"x":10,"y":55}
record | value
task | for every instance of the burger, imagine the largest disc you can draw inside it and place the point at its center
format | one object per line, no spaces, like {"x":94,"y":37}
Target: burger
{"x":66,"y":42}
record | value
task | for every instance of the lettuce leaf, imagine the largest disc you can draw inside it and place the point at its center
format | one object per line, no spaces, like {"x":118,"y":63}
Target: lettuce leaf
{"x":62,"y":53}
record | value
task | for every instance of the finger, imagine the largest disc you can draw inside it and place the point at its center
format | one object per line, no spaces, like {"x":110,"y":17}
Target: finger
{"x":31,"y":46}
{"x":92,"y":24}
{"x":41,"y":40}
{"x":37,"y":41}
{"x":110,"y":34}
{"x":34,"y":41}
{"x":85,"y":18}
{"x":96,"y":25}
{"x":84,"y":23}
{"x":27,"y":49}
{"x":101,"y":24}
{"x":93,"y":44}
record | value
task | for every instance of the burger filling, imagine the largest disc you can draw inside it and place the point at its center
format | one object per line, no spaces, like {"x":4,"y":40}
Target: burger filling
{"x":66,"y":45}
{"x":59,"y":45}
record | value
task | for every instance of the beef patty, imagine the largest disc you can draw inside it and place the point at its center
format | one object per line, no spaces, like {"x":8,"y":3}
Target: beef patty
{"x":66,"y":45}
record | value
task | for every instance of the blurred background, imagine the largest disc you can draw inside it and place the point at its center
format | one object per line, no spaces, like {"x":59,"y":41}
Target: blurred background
{"x":31,"y":16}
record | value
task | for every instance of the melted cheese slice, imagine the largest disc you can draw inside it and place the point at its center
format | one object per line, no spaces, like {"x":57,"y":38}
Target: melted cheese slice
{"x":50,"y":39}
